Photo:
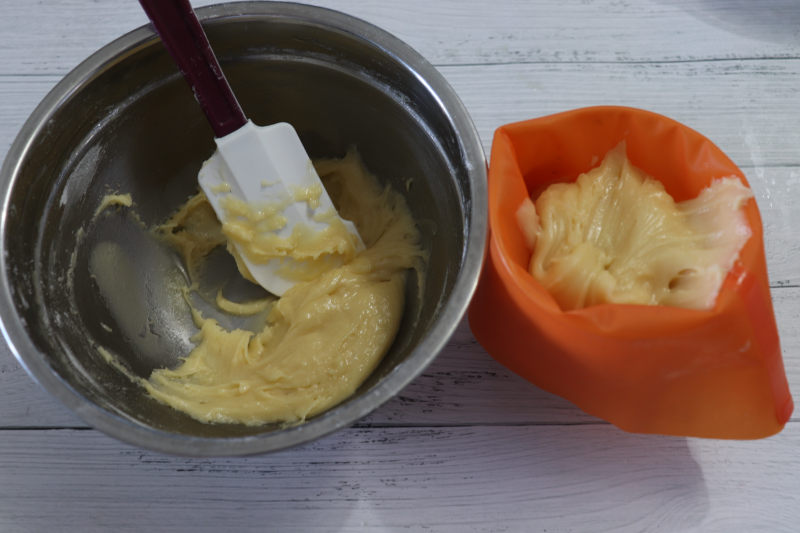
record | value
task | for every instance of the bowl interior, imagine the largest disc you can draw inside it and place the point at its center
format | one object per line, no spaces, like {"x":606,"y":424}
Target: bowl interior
{"x":132,"y":126}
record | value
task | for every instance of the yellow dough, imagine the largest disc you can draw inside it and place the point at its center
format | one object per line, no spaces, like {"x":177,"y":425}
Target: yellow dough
{"x":616,"y":236}
{"x":255,"y":232}
{"x":109,"y":200}
{"x":322,"y":338}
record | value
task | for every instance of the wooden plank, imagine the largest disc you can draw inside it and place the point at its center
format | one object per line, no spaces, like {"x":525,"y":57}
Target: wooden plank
{"x":776,"y":190}
{"x":740,"y":105}
{"x":753,"y":132}
{"x":462,"y":386}
{"x":19,"y":96}
{"x":451,"y":32}
{"x":749,"y":122}
{"x":531,"y":478}
{"x":467,"y":446}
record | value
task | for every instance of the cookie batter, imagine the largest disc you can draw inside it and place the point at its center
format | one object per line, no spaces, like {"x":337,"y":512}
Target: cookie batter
{"x":616,"y":236}
{"x":322,"y":339}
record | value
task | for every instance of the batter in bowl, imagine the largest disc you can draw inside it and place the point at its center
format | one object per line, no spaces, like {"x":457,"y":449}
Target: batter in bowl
{"x":321,"y":339}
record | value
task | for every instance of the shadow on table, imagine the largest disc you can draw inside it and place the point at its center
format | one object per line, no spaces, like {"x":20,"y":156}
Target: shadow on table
{"x":587,"y":477}
{"x":495,"y":441}
{"x":581,"y":477}
{"x":776,"y":21}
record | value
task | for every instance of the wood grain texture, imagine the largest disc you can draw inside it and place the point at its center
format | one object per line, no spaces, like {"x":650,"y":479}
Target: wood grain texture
{"x":458,"y":32}
{"x":474,"y":479}
{"x":463,"y":386}
{"x":741,"y":106}
{"x":468,"y":446}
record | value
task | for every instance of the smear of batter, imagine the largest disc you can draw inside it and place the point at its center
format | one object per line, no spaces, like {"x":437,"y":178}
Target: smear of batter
{"x":109,"y":200}
{"x":322,"y":338}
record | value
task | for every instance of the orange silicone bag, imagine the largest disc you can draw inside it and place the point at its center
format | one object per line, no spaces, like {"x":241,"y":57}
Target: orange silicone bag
{"x":648,"y":369}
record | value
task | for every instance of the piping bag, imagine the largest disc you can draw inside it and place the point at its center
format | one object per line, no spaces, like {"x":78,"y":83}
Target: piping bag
{"x":265,"y":168}
{"x":647,"y":369}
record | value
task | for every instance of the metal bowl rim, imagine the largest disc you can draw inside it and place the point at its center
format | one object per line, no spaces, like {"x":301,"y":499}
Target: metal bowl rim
{"x":35,"y":361}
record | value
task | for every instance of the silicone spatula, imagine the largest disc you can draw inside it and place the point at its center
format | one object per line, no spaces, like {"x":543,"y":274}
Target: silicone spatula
{"x":259,"y":165}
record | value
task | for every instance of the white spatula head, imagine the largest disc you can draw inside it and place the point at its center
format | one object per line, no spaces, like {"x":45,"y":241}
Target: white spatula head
{"x":281,"y":225}
{"x":275,"y":211}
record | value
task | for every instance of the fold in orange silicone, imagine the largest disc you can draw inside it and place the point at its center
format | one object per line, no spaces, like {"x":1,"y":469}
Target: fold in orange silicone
{"x":649,"y":369}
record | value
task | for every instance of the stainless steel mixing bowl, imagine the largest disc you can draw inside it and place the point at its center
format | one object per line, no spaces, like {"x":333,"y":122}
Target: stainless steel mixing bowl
{"x":125,"y":121}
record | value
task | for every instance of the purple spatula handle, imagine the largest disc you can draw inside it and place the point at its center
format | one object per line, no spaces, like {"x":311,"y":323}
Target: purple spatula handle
{"x":187,"y":43}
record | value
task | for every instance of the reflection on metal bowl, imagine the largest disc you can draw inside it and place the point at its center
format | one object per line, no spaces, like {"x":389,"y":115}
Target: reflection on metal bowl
{"x":125,"y":121}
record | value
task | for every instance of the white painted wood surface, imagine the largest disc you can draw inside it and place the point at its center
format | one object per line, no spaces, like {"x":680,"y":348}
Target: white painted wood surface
{"x":468,"y":446}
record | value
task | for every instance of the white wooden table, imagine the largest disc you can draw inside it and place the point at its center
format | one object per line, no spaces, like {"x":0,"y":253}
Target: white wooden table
{"x":468,"y":446}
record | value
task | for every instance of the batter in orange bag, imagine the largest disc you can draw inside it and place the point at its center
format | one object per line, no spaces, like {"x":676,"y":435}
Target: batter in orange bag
{"x":616,"y":236}
{"x":714,"y":372}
